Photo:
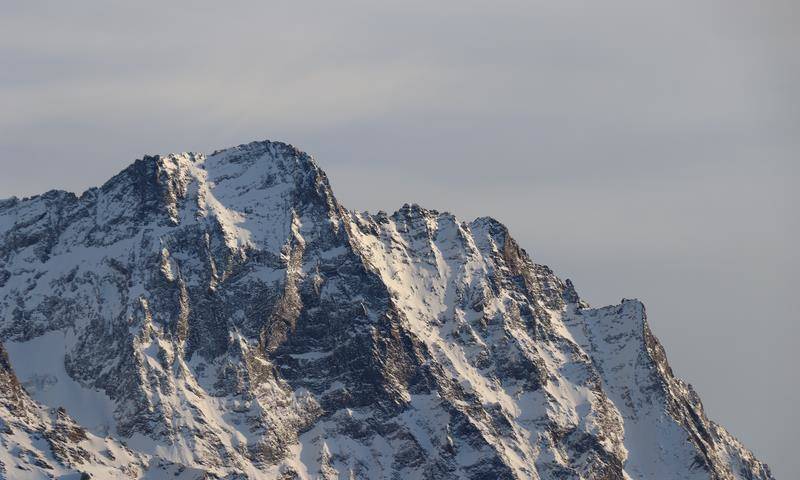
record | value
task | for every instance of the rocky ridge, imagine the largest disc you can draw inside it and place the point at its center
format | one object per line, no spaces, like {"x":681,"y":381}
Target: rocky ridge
{"x":224,"y":316}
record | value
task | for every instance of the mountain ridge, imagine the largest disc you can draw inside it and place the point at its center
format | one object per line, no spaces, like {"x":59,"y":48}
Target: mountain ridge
{"x":226,"y":317}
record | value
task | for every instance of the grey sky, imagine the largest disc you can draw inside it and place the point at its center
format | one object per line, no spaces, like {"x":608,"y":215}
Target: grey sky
{"x":643,"y":149}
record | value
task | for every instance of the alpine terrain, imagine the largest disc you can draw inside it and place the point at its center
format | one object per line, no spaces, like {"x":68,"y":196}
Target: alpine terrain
{"x":224,"y":316}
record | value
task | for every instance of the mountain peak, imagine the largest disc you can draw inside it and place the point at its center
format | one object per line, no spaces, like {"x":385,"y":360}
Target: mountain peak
{"x":224,"y":316}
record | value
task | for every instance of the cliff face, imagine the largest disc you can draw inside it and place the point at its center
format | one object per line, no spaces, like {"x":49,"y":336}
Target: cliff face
{"x":225,"y":316}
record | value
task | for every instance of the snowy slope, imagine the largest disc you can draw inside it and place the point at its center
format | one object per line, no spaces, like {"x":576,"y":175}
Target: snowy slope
{"x":224,"y":316}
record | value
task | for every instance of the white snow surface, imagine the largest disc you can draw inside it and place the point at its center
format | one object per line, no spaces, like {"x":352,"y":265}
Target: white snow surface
{"x":39,"y":365}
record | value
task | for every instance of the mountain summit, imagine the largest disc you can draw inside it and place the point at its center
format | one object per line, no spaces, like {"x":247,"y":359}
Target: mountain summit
{"x":224,"y":316}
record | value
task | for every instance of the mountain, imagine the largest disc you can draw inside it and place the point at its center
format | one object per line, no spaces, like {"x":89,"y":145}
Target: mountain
{"x":224,"y":316}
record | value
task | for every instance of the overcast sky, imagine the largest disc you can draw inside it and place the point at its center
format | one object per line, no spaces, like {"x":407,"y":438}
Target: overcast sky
{"x":643,"y":149}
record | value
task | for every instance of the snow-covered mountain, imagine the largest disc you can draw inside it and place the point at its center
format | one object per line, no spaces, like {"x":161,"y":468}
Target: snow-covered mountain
{"x":223,"y":316}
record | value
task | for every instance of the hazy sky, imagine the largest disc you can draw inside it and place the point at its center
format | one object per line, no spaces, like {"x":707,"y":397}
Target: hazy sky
{"x":643,"y":149}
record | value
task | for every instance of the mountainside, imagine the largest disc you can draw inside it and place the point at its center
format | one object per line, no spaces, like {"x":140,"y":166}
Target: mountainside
{"x":223,"y":316}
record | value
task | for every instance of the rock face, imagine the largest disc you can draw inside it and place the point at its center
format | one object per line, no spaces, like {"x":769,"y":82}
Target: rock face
{"x":223,"y":316}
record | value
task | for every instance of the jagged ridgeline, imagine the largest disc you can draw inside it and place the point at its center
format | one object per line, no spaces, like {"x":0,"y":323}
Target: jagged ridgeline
{"x":224,"y":316}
